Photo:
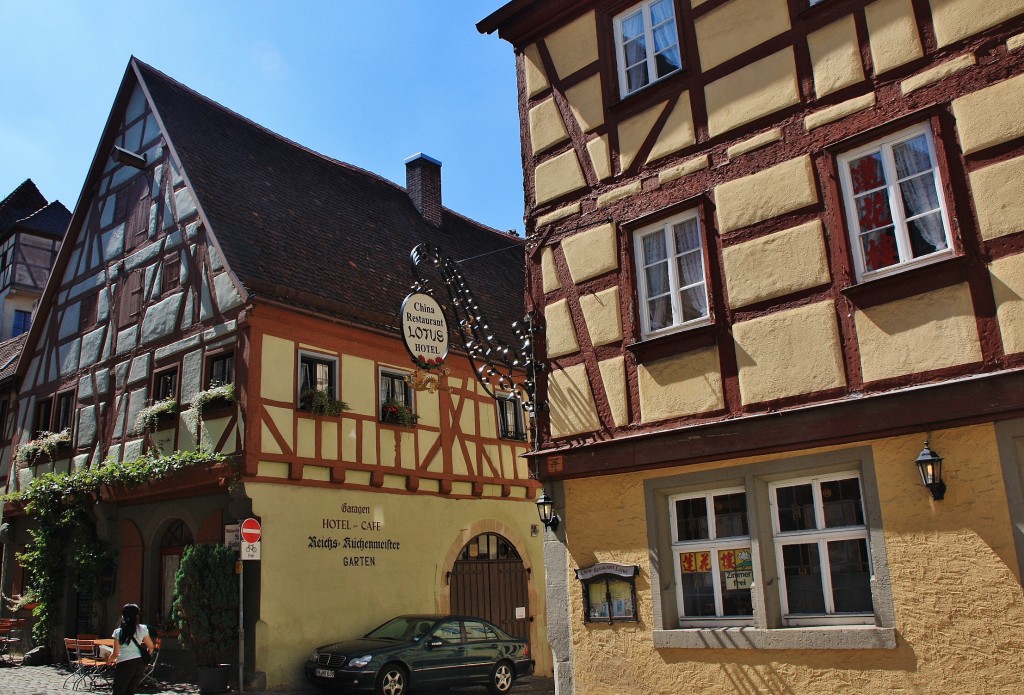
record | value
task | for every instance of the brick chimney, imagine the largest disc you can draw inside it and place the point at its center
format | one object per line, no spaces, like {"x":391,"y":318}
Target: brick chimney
{"x":423,"y":184}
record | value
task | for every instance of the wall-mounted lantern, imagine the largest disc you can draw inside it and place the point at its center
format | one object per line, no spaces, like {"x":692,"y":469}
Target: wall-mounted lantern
{"x":546,"y":511}
{"x":930,"y":466}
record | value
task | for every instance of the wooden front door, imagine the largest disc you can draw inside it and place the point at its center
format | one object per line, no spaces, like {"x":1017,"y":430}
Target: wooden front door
{"x":489,"y":581}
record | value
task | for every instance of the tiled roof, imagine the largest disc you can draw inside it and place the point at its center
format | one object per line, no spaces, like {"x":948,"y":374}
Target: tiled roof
{"x":9,"y":351}
{"x":22,"y":202}
{"x":51,"y":220}
{"x":301,"y":228}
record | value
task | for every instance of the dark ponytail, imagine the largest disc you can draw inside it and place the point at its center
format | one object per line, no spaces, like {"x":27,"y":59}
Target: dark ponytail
{"x":129,"y":622}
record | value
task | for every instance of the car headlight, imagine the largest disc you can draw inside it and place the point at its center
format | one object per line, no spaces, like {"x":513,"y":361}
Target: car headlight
{"x":315,"y":656}
{"x":360,"y":661}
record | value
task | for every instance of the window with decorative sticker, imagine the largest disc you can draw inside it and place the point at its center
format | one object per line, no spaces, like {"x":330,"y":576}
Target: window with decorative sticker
{"x":895,"y":210}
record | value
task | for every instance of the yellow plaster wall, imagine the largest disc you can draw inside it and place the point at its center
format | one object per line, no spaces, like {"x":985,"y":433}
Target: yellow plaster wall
{"x":990,"y":116}
{"x":892,"y":34}
{"x":789,"y":353}
{"x":957,"y":19}
{"x":533,"y":67}
{"x":329,"y":440}
{"x":276,"y":383}
{"x":602,"y":316}
{"x":282,"y":418}
{"x":613,"y":376}
{"x":586,"y":103}
{"x":999,"y":197}
{"x":591,"y":253}
{"x":574,"y":45}
{"x":924,"y":332}
{"x":738,"y":26}
{"x":769,"y":193}
{"x":600,"y":156}
{"x":958,"y":603}
{"x":1008,"y":288}
{"x":559,"y":331}
{"x":546,"y":126}
{"x":558,"y":176}
{"x":305,"y":439}
{"x":835,"y":56}
{"x":356,"y":373}
{"x":549,"y":276}
{"x":748,"y":264}
{"x":571,"y":402}
{"x":634,"y":131}
{"x":677,"y":133}
{"x":350,"y":600}
{"x":685,"y":384}
{"x":763,"y":87}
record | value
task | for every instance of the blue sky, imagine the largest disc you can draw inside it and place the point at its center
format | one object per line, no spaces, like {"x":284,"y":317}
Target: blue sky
{"x":368,"y":83}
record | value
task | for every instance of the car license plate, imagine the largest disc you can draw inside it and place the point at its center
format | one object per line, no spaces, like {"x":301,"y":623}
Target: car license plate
{"x":324,"y":673}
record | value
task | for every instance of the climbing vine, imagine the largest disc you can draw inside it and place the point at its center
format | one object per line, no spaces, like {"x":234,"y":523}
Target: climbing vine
{"x":62,"y":505}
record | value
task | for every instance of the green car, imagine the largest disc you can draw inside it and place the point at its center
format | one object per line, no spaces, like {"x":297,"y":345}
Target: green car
{"x":429,"y":651}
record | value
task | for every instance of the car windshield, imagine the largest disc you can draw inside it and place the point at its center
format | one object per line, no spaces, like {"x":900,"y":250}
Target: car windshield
{"x":405,"y":629}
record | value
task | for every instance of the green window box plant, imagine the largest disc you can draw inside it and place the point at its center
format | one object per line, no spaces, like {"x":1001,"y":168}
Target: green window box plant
{"x":397,"y":413}
{"x":46,"y":444}
{"x":150,"y":416}
{"x":217,"y":395}
{"x":320,"y":402}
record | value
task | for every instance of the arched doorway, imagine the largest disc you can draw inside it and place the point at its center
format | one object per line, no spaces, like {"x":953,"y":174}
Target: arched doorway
{"x":489,"y":580}
{"x":172,"y":546}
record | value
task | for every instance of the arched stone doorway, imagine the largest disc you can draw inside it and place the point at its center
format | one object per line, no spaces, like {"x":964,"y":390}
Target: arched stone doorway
{"x":489,"y":580}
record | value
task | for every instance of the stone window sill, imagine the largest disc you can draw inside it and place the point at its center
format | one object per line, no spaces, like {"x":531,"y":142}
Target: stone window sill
{"x":825,"y":637}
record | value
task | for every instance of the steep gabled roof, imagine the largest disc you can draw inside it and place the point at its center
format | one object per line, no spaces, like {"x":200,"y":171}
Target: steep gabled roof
{"x":51,"y":220}
{"x":22,"y":202}
{"x":10,"y":350}
{"x":304,"y":229}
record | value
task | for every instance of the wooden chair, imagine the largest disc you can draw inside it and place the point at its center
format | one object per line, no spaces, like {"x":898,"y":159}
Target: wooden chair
{"x":84,"y":661}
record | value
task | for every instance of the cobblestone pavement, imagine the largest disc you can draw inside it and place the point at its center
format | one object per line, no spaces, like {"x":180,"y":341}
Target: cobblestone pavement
{"x":49,"y":680}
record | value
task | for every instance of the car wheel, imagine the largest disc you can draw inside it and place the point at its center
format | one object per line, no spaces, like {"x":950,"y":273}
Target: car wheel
{"x":392,"y":680}
{"x":501,"y":678}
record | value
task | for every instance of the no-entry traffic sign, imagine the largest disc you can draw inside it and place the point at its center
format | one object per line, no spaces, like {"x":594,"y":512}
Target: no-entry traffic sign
{"x":251,"y":531}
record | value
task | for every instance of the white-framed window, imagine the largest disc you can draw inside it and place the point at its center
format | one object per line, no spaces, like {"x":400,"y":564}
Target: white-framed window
{"x":895,"y":210}
{"x":316,"y":373}
{"x":712,"y":557}
{"x":646,"y":44}
{"x":671,"y":281}
{"x":811,"y":527}
{"x":511,"y":423}
{"x":821,"y":550}
{"x":397,"y":405}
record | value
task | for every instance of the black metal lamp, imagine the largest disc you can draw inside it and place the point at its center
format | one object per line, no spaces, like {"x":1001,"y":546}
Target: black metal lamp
{"x":546,"y":511}
{"x":930,"y":465}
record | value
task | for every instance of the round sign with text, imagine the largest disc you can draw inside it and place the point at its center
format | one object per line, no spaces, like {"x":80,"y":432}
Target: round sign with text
{"x":424,"y":330}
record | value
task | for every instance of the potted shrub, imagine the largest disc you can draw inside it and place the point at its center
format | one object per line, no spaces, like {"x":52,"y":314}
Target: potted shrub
{"x":320,"y":402}
{"x":150,"y":416}
{"x":398,"y":413}
{"x":205,"y":610}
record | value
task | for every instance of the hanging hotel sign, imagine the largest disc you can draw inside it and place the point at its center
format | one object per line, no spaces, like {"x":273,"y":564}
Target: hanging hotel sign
{"x":424,"y":330}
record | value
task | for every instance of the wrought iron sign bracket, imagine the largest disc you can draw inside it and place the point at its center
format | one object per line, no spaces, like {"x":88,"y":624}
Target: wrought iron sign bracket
{"x":504,"y":370}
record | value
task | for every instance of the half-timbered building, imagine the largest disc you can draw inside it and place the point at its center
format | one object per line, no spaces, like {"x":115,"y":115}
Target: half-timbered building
{"x":207,"y":252}
{"x":778,"y":249}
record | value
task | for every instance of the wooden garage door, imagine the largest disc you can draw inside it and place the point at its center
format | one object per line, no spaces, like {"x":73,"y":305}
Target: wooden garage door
{"x":489,"y":581}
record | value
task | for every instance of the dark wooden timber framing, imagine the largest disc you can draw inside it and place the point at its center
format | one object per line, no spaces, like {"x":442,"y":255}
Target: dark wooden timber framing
{"x":859,"y":409}
{"x":987,"y":398}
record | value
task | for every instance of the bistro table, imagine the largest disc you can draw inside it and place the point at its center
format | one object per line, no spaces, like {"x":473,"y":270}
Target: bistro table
{"x":104,"y":647}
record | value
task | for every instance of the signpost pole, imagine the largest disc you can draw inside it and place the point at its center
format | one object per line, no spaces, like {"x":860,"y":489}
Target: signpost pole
{"x":241,"y":625}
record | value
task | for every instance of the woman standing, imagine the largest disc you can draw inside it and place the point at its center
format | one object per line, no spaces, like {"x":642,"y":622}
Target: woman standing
{"x":127,"y":659}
